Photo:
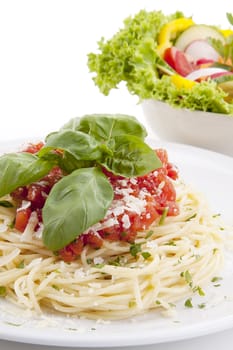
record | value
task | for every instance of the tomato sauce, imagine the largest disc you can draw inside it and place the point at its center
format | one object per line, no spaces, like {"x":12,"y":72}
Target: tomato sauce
{"x":137,"y":203}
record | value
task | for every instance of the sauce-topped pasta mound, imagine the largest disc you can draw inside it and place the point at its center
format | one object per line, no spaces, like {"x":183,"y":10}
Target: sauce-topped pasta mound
{"x":137,"y":202}
{"x":93,"y":222}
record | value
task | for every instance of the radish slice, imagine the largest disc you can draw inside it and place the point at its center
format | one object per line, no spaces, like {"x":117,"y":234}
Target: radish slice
{"x":198,"y":49}
{"x":218,"y":75}
{"x":204,"y":72}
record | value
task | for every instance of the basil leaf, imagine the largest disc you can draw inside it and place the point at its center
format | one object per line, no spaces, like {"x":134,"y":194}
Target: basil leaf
{"x":104,"y":126}
{"x":75,"y":203}
{"x":80,"y":145}
{"x":20,"y":169}
{"x":6,"y":204}
{"x":131,"y":157}
{"x":66,"y":161}
{"x":72,"y":124}
{"x":69,"y":163}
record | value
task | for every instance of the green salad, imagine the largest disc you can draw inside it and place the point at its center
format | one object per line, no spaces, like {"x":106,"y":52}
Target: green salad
{"x":168,"y":58}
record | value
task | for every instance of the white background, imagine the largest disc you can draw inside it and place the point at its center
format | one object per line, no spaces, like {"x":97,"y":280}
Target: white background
{"x":44,"y":79}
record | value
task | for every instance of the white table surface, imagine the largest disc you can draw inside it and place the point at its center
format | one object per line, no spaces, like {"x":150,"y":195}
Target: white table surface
{"x":44,"y":80}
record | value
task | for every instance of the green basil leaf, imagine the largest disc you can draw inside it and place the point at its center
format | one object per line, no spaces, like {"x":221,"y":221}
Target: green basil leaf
{"x":66,"y":161}
{"x":69,"y":163}
{"x":20,"y":169}
{"x":131,"y":157}
{"x":104,"y":126}
{"x":75,"y":203}
{"x":80,"y":145}
{"x":72,"y":124}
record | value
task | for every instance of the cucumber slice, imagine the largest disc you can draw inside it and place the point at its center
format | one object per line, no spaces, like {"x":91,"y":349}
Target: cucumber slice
{"x":197,"y":32}
{"x":225,"y":82}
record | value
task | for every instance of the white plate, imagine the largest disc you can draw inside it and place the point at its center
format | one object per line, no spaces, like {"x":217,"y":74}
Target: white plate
{"x":209,"y":172}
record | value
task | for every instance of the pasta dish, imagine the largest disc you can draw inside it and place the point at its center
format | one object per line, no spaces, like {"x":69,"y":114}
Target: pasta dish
{"x":150,"y":240}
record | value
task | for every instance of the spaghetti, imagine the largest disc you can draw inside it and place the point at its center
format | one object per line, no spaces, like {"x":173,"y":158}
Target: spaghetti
{"x":172,"y":259}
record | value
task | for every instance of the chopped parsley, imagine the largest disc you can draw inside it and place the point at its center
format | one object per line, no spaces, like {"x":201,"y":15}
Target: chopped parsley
{"x":199,"y":290}
{"x":146,"y":255}
{"x":135,"y":248}
{"x":21,"y":265}
{"x":216,"y":215}
{"x":188,"y":303}
{"x":202,"y":305}
{"x":99,"y":266}
{"x":163,"y":216}
{"x":187,"y":276}
{"x":172,"y":304}
{"x":6,"y":204}
{"x":2,"y":291}
{"x":149,"y":234}
{"x":123,"y":234}
{"x":171,"y":243}
{"x":55,"y":287}
{"x":191,"y":217}
{"x":216,"y":279}
{"x":189,"y":280}
{"x":116,"y":262}
{"x":132,"y":303}
{"x":13,"y":324}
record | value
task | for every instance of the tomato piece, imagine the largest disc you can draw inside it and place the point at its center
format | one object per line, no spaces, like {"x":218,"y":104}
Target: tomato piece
{"x":67,"y":254}
{"x":111,"y":233}
{"x":77,"y":246}
{"x":162,"y":154}
{"x":182,"y":64}
{"x":149,"y":216}
{"x":178,"y":60}
{"x":93,"y":240}
{"x":19,"y":194}
{"x":170,"y":56}
{"x":37,"y":195}
{"x":172,"y":171}
{"x":22,"y":218}
{"x":173,"y":208}
{"x":33,"y":148}
{"x":54,"y":176}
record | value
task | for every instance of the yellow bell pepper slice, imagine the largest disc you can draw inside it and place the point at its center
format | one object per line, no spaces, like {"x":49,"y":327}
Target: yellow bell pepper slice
{"x":169,"y":31}
{"x":181,"y":82}
{"x":226,"y":32}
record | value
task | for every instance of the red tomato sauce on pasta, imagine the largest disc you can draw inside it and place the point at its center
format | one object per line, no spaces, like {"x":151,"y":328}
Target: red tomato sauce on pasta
{"x":137,"y":203}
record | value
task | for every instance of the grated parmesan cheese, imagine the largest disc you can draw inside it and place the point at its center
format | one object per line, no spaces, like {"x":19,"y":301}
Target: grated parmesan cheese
{"x":24,"y":205}
{"x":98,"y":260}
{"x":151,"y":244}
{"x":126,"y":221}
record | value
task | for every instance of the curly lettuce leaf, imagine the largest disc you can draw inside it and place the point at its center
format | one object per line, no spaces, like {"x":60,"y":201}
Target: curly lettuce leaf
{"x":130,"y":56}
{"x":205,"y":96}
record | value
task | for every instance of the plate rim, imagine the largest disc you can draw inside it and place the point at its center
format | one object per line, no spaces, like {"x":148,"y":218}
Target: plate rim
{"x":77,"y":339}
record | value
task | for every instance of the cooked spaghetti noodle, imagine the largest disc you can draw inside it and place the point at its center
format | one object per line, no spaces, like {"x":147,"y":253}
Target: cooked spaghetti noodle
{"x":177,"y":256}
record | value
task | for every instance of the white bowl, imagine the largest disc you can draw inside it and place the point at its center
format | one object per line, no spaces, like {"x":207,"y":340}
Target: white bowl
{"x":213,"y":131}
